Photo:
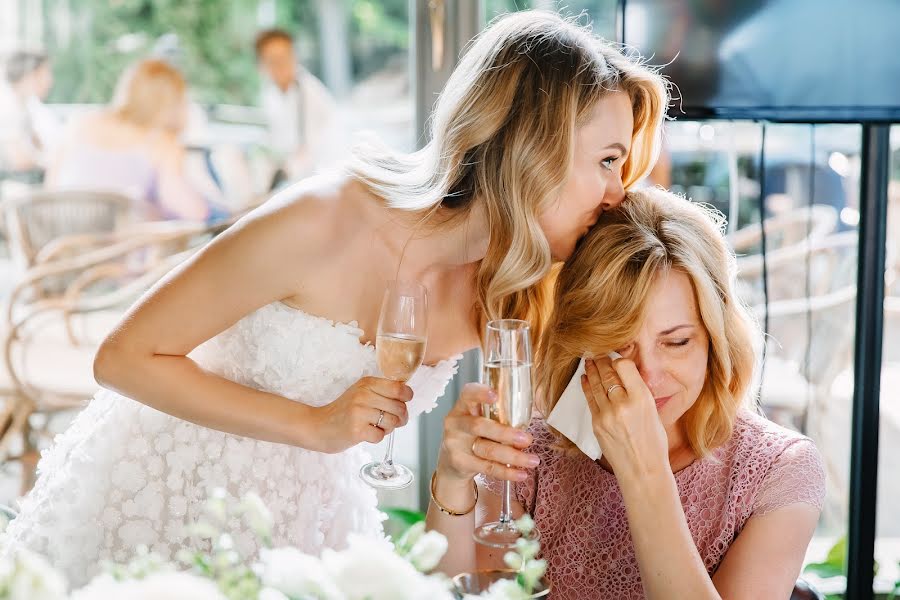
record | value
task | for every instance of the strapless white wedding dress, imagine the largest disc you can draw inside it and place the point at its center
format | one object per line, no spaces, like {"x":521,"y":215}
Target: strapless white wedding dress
{"x":124,"y":474}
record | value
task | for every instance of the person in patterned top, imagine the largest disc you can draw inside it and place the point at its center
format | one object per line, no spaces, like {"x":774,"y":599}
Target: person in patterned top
{"x":696,"y":495}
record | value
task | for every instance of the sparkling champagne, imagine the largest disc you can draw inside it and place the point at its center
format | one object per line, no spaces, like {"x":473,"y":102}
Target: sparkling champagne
{"x":512,"y":382}
{"x":399,"y":355}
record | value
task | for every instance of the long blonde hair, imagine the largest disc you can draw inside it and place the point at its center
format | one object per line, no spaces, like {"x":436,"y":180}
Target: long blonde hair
{"x":502,"y":134}
{"x":602,"y":291}
{"x":148,"y":93}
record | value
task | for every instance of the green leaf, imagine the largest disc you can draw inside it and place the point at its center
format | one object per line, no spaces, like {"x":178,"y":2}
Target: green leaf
{"x":835,"y":562}
{"x":837,"y":555}
{"x":894,"y":591}
{"x":403,"y":515}
{"x":824,"y":569}
{"x":399,"y":520}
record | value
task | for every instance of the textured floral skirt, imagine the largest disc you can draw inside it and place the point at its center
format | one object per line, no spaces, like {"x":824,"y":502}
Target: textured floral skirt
{"x":125,"y":475}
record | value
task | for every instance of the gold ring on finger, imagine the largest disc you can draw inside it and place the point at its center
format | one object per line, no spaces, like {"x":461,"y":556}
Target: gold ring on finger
{"x":380,"y":419}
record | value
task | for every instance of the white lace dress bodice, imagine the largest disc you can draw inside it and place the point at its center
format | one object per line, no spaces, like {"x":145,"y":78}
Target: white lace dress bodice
{"x":124,"y":474}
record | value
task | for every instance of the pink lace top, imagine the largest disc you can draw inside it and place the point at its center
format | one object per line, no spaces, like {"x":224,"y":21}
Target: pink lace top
{"x":578,"y":507}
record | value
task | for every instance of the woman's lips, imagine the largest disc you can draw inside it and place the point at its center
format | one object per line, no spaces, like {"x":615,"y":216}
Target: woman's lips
{"x":660,"y":402}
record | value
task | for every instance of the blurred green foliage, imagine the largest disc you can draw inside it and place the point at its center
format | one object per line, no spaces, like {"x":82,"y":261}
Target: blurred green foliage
{"x":93,"y":41}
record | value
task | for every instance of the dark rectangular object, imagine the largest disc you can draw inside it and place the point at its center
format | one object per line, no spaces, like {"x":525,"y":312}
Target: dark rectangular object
{"x":783,"y":60}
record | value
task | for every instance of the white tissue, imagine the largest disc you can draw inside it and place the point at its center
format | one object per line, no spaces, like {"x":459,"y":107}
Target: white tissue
{"x":572,"y":417}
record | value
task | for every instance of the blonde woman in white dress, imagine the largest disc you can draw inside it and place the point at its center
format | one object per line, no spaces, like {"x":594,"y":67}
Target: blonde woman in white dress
{"x":251,"y":367}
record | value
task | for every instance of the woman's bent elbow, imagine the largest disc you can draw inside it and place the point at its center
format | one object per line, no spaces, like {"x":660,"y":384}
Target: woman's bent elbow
{"x":109,"y":362}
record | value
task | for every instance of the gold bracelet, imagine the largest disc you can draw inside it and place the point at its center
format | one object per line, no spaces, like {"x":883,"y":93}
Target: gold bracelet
{"x":446,"y":510}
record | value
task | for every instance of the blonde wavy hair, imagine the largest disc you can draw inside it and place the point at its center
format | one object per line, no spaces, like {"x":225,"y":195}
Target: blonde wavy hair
{"x":151,"y":93}
{"x":502,"y":135}
{"x":601,"y":294}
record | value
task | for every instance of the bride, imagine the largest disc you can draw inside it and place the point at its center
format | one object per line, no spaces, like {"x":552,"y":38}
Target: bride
{"x":251,"y":367}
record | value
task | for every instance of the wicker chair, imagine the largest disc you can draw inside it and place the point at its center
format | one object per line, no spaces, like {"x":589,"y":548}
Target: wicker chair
{"x":51,"y":340}
{"x":34,"y":220}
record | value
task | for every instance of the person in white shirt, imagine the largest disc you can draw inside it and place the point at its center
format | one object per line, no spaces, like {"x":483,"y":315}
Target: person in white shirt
{"x":28,"y":129}
{"x":298,"y":108}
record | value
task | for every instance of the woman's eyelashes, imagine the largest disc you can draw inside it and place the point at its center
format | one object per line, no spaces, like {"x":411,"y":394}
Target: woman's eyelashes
{"x":608,"y":162}
{"x":675,"y":344}
{"x":679,"y":343}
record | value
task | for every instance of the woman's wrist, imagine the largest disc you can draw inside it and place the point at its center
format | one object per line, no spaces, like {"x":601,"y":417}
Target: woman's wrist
{"x":447,"y":474}
{"x":456,"y":509}
{"x":637,"y":468}
{"x":646,"y":481}
{"x":452,"y":490}
{"x":302,"y":428}
{"x":454,"y":496}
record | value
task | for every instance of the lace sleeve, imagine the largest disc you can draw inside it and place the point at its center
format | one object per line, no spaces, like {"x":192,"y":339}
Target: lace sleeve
{"x":796,"y":476}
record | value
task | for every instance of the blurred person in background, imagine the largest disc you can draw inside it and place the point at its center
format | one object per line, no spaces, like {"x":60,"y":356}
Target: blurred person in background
{"x":133,"y":146}
{"x":299,"y":109}
{"x":28,"y":129}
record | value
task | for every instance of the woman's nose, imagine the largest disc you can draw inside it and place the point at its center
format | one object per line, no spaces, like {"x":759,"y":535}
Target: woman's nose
{"x":614,"y":194}
{"x":650,"y":368}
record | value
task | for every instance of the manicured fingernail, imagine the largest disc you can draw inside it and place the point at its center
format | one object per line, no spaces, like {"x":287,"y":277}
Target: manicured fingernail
{"x":522,"y":437}
{"x":614,"y":355}
{"x":521,"y":475}
{"x":492,"y":395}
{"x":534,"y":460}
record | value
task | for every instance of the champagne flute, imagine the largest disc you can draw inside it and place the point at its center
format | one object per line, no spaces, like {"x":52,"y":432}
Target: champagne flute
{"x":399,"y":350}
{"x":507,"y":370}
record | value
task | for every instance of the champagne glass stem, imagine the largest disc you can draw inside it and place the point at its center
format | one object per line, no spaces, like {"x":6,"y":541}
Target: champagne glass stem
{"x":388,"y":461}
{"x":505,"y":513}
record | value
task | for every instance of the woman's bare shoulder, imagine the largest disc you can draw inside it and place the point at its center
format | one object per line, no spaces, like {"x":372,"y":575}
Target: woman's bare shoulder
{"x":312,"y":218}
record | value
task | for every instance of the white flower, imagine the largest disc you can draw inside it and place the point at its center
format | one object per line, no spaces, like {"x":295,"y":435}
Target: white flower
{"x":411,"y":536}
{"x":525,"y":525}
{"x":203,"y":529}
{"x":172,"y":586}
{"x":296,"y":574}
{"x":271,"y":594}
{"x":527,"y":548}
{"x":427,"y":551}
{"x":216,"y":505}
{"x":258,"y":516}
{"x":369,"y":569}
{"x":27,"y":576}
{"x":534,"y":570}
{"x":513,"y":560}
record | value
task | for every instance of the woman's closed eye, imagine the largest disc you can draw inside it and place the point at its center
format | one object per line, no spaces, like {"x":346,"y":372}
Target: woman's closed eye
{"x":678,"y":343}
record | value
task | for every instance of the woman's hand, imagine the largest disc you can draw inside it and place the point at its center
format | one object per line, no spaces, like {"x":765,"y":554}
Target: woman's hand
{"x":624,"y":417}
{"x":473,"y":444}
{"x":370,"y":409}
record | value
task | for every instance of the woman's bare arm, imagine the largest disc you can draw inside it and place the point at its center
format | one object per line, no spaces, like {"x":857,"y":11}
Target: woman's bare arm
{"x":262,"y":259}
